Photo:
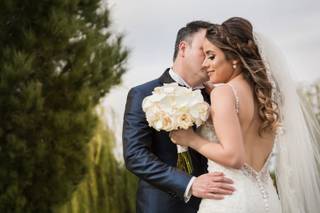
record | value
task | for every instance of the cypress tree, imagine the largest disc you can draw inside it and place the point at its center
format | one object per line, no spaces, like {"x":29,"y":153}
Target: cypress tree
{"x":58,"y":58}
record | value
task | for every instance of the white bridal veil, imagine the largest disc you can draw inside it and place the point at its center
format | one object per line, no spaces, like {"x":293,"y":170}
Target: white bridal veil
{"x":297,"y":141}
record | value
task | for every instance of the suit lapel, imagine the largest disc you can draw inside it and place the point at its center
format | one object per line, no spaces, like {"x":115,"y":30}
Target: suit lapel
{"x":165,"y":77}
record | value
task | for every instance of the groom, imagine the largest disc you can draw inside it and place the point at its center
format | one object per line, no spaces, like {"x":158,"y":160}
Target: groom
{"x":152,"y":156}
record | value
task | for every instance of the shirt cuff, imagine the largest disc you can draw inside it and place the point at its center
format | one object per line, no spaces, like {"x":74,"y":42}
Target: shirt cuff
{"x":187,"y":193}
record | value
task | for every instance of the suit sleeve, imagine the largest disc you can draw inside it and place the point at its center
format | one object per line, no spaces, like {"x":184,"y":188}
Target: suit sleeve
{"x":139,"y":159}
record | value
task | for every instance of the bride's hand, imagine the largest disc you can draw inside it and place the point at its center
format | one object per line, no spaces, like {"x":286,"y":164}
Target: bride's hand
{"x":182,"y":137}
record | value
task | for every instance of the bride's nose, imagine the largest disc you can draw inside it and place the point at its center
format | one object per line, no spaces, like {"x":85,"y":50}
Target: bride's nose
{"x":205,"y":64}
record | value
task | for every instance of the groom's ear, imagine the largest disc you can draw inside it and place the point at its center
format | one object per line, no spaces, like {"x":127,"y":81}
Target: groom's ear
{"x":182,"y":48}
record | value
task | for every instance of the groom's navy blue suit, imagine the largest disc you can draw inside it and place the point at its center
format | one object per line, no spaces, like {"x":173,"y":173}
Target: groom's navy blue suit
{"x":152,"y":157}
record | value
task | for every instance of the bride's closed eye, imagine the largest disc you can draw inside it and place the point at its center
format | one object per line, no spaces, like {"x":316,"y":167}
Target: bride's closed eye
{"x":211,"y":57}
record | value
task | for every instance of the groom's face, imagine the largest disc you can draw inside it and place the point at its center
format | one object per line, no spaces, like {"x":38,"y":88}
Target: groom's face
{"x":194,"y":56}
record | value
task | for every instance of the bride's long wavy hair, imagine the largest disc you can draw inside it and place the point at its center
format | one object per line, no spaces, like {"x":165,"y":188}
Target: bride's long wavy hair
{"x":235,"y":38}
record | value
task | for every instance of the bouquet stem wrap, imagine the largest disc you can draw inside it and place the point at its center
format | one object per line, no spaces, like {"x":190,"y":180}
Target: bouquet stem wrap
{"x":184,"y":161}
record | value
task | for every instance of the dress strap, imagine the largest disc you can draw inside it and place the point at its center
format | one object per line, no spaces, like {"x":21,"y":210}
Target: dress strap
{"x":236,"y":97}
{"x":237,"y":105}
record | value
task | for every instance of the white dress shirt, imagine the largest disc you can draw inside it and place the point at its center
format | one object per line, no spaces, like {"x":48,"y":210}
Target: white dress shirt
{"x":177,"y":78}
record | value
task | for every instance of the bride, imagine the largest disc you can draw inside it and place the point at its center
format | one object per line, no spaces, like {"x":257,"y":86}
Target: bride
{"x":254,"y":109}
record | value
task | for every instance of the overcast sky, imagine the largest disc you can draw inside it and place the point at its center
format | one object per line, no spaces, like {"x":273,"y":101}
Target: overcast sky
{"x":150,"y":28}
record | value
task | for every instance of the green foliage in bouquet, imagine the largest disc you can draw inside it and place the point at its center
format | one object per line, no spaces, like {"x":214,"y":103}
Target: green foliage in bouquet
{"x":109,"y":187}
{"x":57,"y":60}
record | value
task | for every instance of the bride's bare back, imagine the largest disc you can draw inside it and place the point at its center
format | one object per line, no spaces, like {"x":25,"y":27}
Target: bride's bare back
{"x":257,"y":148}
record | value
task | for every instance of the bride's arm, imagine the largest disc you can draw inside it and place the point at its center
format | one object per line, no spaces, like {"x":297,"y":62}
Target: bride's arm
{"x":230,"y":152}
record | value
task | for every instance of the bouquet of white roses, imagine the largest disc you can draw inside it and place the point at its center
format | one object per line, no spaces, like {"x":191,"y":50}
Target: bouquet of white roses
{"x":173,"y":107}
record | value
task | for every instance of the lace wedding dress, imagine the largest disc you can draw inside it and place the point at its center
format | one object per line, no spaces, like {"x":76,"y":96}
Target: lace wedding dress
{"x":255,"y":192}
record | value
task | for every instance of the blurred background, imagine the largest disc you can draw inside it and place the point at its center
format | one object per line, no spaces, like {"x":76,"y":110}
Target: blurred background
{"x":66,"y":67}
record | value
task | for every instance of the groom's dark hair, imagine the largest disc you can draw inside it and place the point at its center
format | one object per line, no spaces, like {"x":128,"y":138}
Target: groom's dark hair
{"x":186,"y":33}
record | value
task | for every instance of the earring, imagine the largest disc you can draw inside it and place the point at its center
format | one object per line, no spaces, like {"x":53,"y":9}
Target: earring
{"x":234,"y":66}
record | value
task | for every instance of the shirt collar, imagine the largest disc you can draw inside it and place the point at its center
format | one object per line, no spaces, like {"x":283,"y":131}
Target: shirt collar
{"x":177,"y":78}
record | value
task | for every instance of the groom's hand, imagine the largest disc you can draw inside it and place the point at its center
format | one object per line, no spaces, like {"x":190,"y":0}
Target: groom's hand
{"x":212,"y":186}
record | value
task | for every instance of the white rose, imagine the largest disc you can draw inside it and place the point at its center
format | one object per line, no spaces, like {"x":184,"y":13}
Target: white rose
{"x":198,"y":122}
{"x":164,"y":123}
{"x":169,"y":88}
{"x":204,"y":110}
{"x":168,"y":104}
{"x":184,"y":121}
{"x":200,"y":111}
{"x":182,"y":101}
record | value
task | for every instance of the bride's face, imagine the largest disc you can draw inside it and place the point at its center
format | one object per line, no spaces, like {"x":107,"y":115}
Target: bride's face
{"x":219,"y":69}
